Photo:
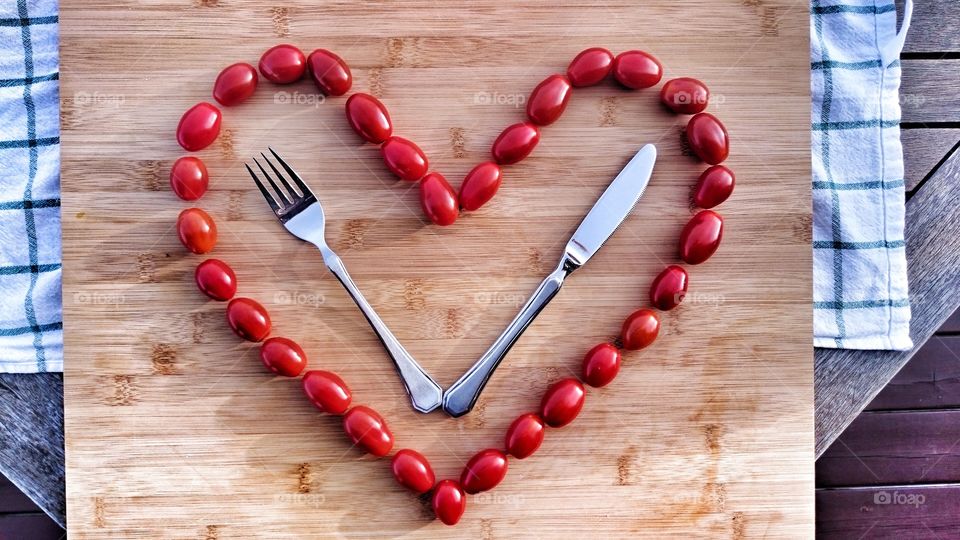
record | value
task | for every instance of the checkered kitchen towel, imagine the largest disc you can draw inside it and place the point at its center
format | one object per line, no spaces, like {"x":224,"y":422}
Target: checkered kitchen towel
{"x":31,"y":337}
{"x":860,"y":269}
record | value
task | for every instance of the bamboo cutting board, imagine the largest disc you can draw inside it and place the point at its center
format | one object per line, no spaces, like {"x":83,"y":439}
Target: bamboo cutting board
{"x":174,"y":429}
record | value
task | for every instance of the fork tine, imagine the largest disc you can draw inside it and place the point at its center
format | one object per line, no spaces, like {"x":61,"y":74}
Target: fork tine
{"x":293,"y":193}
{"x":293,"y":174}
{"x":266,"y":194}
{"x":272,"y":183}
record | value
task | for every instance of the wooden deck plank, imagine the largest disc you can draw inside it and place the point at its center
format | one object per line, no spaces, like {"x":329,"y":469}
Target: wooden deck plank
{"x":934,"y":27}
{"x":902,"y":512}
{"x":923,"y":149}
{"x":930,"y":380}
{"x":847,"y":380}
{"x":927,"y":94}
{"x":897,"y":447}
{"x":31,"y":438}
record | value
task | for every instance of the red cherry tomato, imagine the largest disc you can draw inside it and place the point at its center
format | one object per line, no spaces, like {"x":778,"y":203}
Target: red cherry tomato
{"x":369,"y":118}
{"x":189,"y":178}
{"x":216,"y":279}
{"x":412,"y":470}
{"x":368,"y":430}
{"x":669,"y":288}
{"x":701,"y":237}
{"x":404,"y":158}
{"x":708,"y":138}
{"x":329,"y":72}
{"x":590,"y":67}
{"x":235,"y":84}
{"x":438,"y":200}
{"x":637,"y":69}
{"x":283,"y":64}
{"x":327,"y":391}
{"x":248,"y":319}
{"x":198,"y":127}
{"x":714,"y":186}
{"x":525,"y":435}
{"x":197,"y":230}
{"x":515,"y":143}
{"x":640,"y":329}
{"x":685,"y":95}
{"x":601,"y":365}
{"x":548,"y":100}
{"x":562,"y":402}
{"x":480,"y":185}
{"x":484,"y":471}
{"x":449,"y":502}
{"x":283,"y":356}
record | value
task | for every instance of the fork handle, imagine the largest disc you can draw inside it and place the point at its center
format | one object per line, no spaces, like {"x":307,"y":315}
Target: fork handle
{"x":425,"y":394}
{"x":463,"y":394}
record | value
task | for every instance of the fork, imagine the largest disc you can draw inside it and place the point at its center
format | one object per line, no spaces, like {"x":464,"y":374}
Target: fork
{"x":302,"y":215}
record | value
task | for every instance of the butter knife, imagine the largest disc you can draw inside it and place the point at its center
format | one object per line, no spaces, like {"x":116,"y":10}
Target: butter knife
{"x":601,"y":221}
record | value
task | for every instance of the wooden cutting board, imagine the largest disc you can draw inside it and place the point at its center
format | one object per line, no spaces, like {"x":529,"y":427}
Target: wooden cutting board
{"x":175,"y":430}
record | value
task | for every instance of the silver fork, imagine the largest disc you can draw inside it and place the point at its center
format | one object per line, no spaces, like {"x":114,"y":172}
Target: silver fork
{"x":301,"y":214}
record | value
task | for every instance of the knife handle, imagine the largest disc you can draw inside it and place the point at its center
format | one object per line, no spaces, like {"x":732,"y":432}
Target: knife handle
{"x":424,"y":392}
{"x":460,"y":398}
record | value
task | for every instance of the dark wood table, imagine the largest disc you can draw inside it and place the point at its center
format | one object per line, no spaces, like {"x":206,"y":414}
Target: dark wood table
{"x":31,"y":406}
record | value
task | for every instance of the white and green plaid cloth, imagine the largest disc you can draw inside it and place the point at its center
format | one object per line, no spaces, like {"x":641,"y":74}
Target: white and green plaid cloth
{"x":860,"y":284}
{"x":31,"y":337}
{"x":860,"y":268}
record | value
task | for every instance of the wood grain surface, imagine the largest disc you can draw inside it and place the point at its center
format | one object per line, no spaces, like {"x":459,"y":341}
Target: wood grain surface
{"x":174,"y":430}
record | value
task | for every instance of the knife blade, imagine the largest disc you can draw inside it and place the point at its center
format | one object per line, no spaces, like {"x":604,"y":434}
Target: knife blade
{"x":613,"y":206}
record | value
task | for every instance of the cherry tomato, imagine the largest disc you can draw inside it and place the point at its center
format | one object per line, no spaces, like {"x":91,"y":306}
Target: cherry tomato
{"x":248,"y":319}
{"x":637,"y":69}
{"x":198,"y":127}
{"x":283,"y":356}
{"x":189,"y":178}
{"x":480,"y":185}
{"x":449,"y":502}
{"x":601,"y":365}
{"x":701,"y":237}
{"x":484,"y":471}
{"x":368,"y":117}
{"x":327,"y":391}
{"x":368,"y":430}
{"x":330,"y":72}
{"x":216,"y":279}
{"x":412,"y":470}
{"x":714,"y":186}
{"x":590,"y":67}
{"x":283,"y":64}
{"x":548,"y":100}
{"x":235,"y":84}
{"x":438,"y":200}
{"x":562,"y":402}
{"x":197,"y":230}
{"x":404,"y":158}
{"x":515,"y":143}
{"x":669,"y":288}
{"x":708,"y":138}
{"x":640,"y":329}
{"x":525,"y":435}
{"x":685,"y":95}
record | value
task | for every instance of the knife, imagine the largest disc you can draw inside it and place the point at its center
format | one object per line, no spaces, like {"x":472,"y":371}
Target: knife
{"x":603,"y":219}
